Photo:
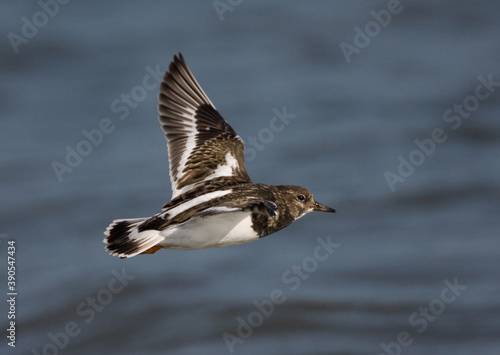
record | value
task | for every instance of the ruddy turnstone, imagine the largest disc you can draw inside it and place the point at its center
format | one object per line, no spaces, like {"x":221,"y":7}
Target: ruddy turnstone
{"x":214,"y":202}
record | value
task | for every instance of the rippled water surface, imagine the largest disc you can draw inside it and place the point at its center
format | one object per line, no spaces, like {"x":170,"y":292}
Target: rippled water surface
{"x":395,"y":124}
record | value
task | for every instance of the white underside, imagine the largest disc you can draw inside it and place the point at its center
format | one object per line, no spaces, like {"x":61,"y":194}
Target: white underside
{"x":210,"y":232}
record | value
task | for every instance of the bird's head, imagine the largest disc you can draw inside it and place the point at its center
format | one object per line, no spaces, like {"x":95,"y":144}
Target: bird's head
{"x":301,"y":201}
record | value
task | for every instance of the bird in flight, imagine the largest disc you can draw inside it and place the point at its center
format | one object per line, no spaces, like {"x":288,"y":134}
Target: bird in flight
{"x":214,"y":202}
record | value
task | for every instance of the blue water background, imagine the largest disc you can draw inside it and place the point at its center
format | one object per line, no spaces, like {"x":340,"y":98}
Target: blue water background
{"x":354,"y":122}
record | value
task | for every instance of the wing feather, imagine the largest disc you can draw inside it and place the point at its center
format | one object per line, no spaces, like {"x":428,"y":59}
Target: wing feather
{"x":202,"y":145}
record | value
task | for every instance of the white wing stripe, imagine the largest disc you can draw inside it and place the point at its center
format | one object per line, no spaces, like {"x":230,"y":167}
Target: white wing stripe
{"x":224,"y":169}
{"x":188,"y":149}
{"x":196,"y":201}
{"x":221,"y":170}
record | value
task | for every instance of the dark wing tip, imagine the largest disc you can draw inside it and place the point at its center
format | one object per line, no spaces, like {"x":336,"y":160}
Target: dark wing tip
{"x":178,"y":61}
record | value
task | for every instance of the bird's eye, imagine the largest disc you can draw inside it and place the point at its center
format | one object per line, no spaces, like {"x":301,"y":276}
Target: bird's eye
{"x":301,"y":197}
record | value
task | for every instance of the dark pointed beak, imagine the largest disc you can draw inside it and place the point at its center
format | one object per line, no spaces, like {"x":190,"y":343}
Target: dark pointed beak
{"x":322,"y":208}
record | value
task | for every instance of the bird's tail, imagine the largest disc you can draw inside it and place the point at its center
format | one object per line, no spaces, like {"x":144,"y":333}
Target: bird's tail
{"x":125,"y":238}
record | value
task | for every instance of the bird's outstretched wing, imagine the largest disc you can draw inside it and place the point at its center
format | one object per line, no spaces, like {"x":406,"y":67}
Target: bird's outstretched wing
{"x":202,"y":145}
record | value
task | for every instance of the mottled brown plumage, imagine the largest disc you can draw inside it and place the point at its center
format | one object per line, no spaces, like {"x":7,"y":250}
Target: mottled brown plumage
{"x":184,"y":108}
{"x":214,"y":202}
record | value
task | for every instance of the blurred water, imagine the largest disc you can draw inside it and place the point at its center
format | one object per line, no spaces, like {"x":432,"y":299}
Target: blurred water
{"x":398,"y":250}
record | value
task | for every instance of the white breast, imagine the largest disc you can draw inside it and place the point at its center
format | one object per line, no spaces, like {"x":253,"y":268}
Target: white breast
{"x":212,"y":231}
